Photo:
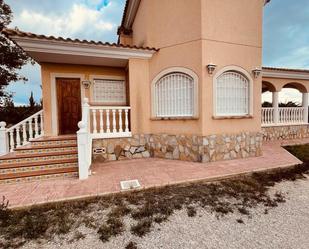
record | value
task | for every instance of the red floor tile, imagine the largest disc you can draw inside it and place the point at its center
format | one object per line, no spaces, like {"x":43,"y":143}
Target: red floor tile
{"x":150,"y":172}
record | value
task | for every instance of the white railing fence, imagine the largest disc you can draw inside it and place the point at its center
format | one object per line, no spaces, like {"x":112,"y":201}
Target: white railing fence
{"x":99,"y":122}
{"x":109,"y":121}
{"x":283,"y":116}
{"x":21,"y":133}
{"x":268,"y":115}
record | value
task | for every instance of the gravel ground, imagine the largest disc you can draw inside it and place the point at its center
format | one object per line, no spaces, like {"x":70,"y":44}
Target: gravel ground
{"x":286,"y":226}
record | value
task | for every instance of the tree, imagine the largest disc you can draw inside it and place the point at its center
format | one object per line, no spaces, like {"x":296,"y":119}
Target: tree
{"x":12,"y":57}
{"x":31,"y":101}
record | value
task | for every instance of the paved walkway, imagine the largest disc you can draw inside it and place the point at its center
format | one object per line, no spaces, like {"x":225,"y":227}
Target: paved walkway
{"x":150,"y":172}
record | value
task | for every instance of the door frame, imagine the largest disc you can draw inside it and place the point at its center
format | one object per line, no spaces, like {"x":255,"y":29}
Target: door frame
{"x":54,"y":104}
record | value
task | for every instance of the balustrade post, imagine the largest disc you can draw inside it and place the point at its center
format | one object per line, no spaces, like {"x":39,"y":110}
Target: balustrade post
{"x":30,"y":129}
{"x":107,"y":122}
{"x":275,"y":98}
{"x":101,"y":121}
{"x":36,"y":127}
{"x":83,"y":143}
{"x":42,"y":123}
{"x":4,"y":139}
{"x":120,"y":120}
{"x":114,"y":121}
{"x":126,"y":120}
{"x":12,"y":142}
{"x":17,"y":136}
{"x":24,"y":134}
{"x":94,"y":121}
{"x":83,"y":151}
{"x":305,"y":106}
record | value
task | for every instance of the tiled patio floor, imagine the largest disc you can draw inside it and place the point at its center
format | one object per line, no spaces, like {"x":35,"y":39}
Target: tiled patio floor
{"x":149,"y":172}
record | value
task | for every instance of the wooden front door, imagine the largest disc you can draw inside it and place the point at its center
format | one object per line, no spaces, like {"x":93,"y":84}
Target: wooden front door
{"x":69,"y":105}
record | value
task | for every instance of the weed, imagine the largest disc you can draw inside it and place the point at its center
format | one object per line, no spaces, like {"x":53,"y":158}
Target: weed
{"x":240,"y":221}
{"x":142,"y":227}
{"x":131,"y":245}
{"x":112,"y":227}
{"x":191,"y":211}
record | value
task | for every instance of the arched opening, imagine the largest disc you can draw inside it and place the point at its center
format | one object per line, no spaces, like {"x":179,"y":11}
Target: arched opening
{"x":287,"y":106}
{"x":267,"y":93}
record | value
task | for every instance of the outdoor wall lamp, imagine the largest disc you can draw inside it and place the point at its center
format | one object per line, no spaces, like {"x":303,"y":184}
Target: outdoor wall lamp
{"x":86,"y":83}
{"x":256,"y":72}
{"x":211,"y":68}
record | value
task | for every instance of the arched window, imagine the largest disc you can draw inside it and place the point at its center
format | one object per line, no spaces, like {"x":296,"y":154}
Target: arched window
{"x":232,"y":94}
{"x":174,"y":95}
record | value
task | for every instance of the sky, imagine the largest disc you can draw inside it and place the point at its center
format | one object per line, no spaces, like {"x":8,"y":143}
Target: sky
{"x":285,"y":35}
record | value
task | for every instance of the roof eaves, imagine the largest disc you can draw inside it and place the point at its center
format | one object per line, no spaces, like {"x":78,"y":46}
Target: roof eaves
{"x":11,"y":33}
{"x":129,"y":13}
{"x":282,"y":69}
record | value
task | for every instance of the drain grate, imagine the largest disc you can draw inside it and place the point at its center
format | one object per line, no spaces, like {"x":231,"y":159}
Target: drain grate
{"x":131,"y":184}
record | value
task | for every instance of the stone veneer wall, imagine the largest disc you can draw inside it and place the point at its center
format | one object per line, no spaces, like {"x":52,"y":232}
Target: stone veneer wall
{"x":180,"y":147}
{"x":285,"y":132}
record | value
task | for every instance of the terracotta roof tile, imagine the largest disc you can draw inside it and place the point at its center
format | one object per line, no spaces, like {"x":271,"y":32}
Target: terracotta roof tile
{"x":286,"y":69}
{"x":12,"y":32}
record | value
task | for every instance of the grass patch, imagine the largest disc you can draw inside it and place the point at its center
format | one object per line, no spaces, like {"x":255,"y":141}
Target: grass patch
{"x":105,"y":214}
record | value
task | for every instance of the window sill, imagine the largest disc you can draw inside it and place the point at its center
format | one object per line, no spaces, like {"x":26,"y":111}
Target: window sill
{"x":173,"y":118}
{"x":232,"y":117}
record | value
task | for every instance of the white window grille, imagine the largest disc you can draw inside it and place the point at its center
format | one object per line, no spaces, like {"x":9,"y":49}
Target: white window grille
{"x":232,"y":94}
{"x":174,"y":95}
{"x":107,"y":91}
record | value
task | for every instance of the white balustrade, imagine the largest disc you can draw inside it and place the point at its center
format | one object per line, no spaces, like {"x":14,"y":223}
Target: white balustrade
{"x":21,"y":133}
{"x":110,"y":120}
{"x":286,"y":116}
{"x":99,"y":122}
{"x":268,"y":115}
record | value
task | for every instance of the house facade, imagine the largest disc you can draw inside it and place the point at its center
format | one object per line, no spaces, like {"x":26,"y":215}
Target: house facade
{"x":183,"y":82}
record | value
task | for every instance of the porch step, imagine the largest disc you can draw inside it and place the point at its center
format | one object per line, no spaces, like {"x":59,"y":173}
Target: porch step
{"x":38,"y":173}
{"x":55,"y":140}
{"x":38,"y":149}
{"x":43,"y":158}
{"x":14,"y":158}
{"x":46,"y":175}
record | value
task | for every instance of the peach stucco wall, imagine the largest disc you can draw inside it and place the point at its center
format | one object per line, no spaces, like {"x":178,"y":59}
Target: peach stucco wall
{"x":192,"y":36}
{"x":164,"y":23}
{"x":66,"y":70}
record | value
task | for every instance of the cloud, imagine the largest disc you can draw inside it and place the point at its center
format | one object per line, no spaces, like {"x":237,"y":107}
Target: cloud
{"x":83,"y":19}
{"x":81,"y":22}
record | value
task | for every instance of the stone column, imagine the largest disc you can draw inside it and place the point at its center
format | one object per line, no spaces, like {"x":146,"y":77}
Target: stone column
{"x":305,"y":105}
{"x":276,"y":107}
